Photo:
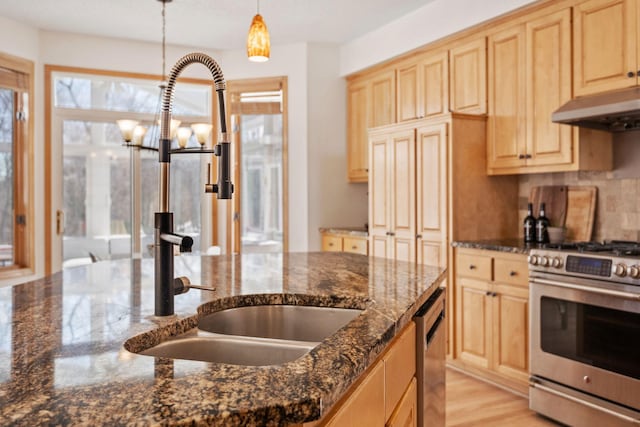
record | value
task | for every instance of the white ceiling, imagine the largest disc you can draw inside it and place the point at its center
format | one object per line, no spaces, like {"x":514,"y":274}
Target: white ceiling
{"x":213,"y":24}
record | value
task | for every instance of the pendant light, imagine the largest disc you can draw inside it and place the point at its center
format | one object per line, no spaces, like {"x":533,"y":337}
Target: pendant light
{"x":258,"y":44}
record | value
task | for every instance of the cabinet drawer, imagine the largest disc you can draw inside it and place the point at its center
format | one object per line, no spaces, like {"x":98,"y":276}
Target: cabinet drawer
{"x":513,"y":271}
{"x":331,"y":243}
{"x":355,"y":245}
{"x":472,"y":265}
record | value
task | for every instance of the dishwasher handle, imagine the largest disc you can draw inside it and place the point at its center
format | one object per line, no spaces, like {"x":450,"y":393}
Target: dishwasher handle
{"x":434,"y":329}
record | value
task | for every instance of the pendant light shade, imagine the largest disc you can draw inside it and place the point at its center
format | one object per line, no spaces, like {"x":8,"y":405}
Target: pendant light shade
{"x":258,"y":44}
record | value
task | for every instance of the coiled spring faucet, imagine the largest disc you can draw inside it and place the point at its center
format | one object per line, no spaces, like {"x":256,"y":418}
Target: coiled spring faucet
{"x":166,"y":286}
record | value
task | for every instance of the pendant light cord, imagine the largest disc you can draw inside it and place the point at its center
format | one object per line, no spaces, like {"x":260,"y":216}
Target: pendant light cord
{"x":164,"y":26}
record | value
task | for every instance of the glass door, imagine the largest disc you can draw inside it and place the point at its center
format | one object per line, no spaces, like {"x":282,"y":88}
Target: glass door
{"x":258,"y":216}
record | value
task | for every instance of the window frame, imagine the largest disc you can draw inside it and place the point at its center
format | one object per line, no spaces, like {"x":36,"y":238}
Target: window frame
{"x":50,"y":72}
{"x":23,"y":185}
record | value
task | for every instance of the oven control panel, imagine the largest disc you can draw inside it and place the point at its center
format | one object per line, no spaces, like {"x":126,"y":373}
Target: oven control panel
{"x":590,"y":266}
{"x":573,"y":263}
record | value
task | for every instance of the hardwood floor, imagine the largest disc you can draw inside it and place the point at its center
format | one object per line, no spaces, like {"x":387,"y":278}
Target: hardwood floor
{"x":471,"y":402}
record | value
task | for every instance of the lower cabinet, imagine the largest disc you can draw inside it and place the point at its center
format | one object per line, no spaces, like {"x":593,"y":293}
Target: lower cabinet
{"x":492,"y":315}
{"x":345,"y":243}
{"x":387,"y":394}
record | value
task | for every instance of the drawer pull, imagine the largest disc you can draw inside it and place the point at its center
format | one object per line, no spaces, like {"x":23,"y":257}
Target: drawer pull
{"x":354,"y":247}
{"x":513,"y":273}
{"x":331,"y":244}
{"x":472,"y":267}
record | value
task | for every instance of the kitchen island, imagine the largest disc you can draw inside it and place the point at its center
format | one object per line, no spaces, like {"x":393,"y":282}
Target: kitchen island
{"x":63,"y":361}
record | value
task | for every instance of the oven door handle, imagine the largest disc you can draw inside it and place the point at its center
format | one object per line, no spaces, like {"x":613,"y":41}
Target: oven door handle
{"x":608,"y":292}
{"x":627,"y":419}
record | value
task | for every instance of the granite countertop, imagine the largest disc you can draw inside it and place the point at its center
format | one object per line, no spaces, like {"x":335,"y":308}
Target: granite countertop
{"x":346,"y":231}
{"x":513,"y":245}
{"x":62,"y":359}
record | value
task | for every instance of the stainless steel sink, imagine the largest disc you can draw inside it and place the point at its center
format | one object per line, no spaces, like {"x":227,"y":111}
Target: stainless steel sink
{"x":255,"y":335}
{"x":285,"y":322}
{"x":196,"y":345}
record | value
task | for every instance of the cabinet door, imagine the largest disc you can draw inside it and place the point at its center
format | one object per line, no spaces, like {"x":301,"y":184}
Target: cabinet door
{"x":435,"y":84}
{"x":408,"y":91}
{"x":383,"y":99}
{"x":379,"y":195}
{"x":468,"y":77}
{"x":506,"y":143}
{"x":473,"y":321}
{"x":406,"y":413}
{"x":365,"y":407}
{"x":510,"y":331}
{"x":548,"y":87}
{"x":357,"y":137}
{"x":431,"y":200}
{"x":403,"y":194}
{"x":605,"y":45}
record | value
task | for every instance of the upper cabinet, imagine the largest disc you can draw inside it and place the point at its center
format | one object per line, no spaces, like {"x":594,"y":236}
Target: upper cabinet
{"x":468,"y":77}
{"x":530,"y":77}
{"x":370,"y":103}
{"x":606,"y":46}
{"x":423,"y":86}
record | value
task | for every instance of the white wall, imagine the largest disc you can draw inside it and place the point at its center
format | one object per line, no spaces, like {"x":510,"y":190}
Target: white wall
{"x":332,"y":201}
{"x":418,"y":28}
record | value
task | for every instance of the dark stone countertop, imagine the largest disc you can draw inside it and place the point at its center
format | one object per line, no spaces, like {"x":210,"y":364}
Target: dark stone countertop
{"x":513,"y":245}
{"x":346,"y":231}
{"x":62,"y":360}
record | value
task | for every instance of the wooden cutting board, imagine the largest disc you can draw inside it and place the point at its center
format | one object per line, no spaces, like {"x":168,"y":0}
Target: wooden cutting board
{"x":581,"y":208}
{"x":555,"y":199}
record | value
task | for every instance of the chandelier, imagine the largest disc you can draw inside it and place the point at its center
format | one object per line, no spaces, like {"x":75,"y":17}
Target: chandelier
{"x":133,"y":132}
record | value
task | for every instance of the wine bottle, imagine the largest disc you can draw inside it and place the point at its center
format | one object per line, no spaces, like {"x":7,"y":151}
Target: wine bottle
{"x":529,"y":225}
{"x":542,"y":234}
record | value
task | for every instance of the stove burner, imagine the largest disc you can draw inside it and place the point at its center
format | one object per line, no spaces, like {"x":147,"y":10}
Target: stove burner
{"x":616,"y":247}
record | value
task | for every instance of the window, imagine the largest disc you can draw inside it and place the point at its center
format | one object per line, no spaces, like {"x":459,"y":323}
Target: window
{"x":110,"y":192}
{"x":16,"y":168}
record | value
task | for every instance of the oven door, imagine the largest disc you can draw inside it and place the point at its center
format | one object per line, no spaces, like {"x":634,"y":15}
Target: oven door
{"x":586,"y":335}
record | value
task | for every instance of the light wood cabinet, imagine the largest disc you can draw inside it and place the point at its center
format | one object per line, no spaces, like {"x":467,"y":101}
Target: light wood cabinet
{"x":529,"y":78}
{"x":605,"y":45}
{"x":365,"y":405}
{"x":492,"y":307}
{"x":423,"y":86}
{"x":370,"y":103}
{"x":392,"y":196}
{"x":344,"y":243}
{"x":387,"y":393}
{"x":406,"y":414}
{"x":468,"y":77}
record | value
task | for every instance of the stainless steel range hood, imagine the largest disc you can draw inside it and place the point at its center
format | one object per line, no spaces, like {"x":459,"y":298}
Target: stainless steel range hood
{"x":616,"y":111}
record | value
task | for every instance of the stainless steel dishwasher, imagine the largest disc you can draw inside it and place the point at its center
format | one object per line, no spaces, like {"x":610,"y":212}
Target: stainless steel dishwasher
{"x":430,"y":360}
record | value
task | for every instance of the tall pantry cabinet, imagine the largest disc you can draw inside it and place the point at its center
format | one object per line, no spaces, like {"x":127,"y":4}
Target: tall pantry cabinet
{"x":428,"y":186}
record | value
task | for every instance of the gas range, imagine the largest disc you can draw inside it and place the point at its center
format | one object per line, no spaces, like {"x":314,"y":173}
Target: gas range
{"x":613,"y":261}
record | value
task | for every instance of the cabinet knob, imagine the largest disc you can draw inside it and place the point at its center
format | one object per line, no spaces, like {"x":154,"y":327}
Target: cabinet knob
{"x":418,"y":236}
{"x":331,"y":244}
{"x":631,"y":74}
{"x":391,"y":233}
{"x":354,"y":247}
{"x":472,"y":267}
{"x":513,"y":273}
{"x":521,"y":156}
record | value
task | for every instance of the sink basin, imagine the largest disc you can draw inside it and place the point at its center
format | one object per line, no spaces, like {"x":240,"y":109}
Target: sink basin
{"x":285,"y":322}
{"x":256,"y":335}
{"x":231,"y":350}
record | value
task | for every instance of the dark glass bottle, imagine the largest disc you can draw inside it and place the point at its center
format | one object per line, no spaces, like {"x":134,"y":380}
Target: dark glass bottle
{"x":542,"y":234}
{"x":530,"y":225}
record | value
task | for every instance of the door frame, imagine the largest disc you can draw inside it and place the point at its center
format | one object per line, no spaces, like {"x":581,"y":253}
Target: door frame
{"x":258,"y":85}
{"x":50,"y":226}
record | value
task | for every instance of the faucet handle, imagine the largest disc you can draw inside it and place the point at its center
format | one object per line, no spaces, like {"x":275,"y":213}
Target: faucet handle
{"x":182,"y":285}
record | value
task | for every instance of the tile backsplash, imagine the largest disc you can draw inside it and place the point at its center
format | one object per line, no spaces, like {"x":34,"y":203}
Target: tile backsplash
{"x":618,"y":201}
